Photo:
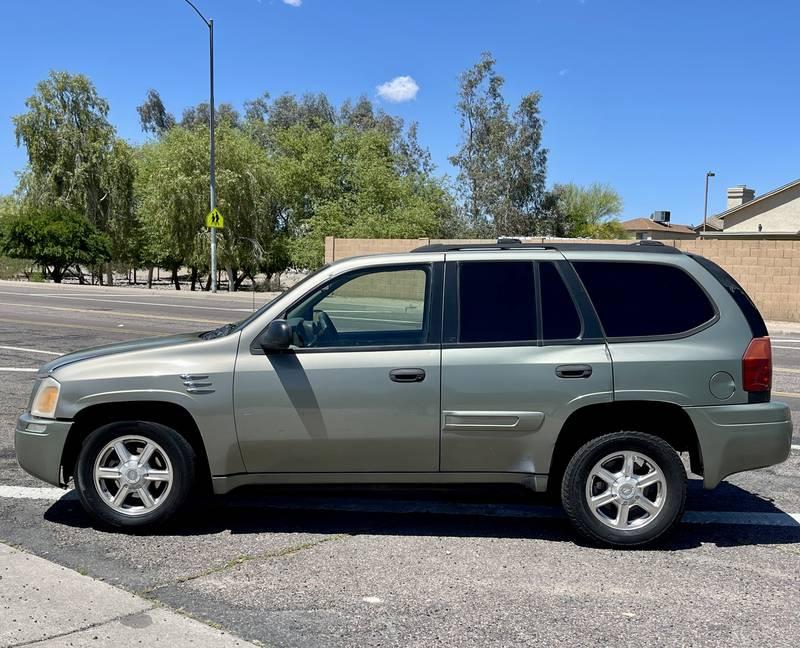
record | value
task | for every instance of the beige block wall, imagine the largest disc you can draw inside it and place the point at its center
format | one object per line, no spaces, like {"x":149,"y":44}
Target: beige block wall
{"x":396,"y":284}
{"x":665,"y":236}
{"x":768,"y":270}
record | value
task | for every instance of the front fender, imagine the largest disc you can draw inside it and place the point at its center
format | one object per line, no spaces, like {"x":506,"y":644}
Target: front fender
{"x":212,"y":414}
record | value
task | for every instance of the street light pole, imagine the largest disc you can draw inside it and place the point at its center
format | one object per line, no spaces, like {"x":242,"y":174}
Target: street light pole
{"x":709,"y":174}
{"x":213,"y":185}
{"x":213,"y":182}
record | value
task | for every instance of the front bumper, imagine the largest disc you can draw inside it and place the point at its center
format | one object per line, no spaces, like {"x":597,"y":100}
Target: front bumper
{"x":39,"y":444}
{"x":734,"y":438}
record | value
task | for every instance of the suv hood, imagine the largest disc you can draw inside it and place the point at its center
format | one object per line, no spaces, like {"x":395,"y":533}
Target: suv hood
{"x":118,"y":347}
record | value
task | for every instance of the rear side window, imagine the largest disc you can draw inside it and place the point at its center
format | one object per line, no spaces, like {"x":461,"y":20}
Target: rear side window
{"x":644,"y":299}
{"x":560,"y":319}
{"x":496,"y":301}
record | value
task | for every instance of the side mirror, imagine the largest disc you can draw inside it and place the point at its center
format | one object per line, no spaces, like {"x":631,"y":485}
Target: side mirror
{"x":276,"y":337}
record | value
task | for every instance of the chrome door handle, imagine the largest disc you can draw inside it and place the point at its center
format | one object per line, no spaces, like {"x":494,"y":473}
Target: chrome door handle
{"x":574,"y":371}
{"x":407,"y":375}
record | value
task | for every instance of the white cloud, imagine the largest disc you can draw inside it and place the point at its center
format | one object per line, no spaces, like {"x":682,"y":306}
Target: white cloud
{"x":293,"y":3}
{"x":402,"y":88}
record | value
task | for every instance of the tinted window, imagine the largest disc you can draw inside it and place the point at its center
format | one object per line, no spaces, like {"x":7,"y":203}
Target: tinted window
{"x":560,"y":319}
{"x":496,"y":301}
{"x":379,"y":308}
{"x":643,"y":299}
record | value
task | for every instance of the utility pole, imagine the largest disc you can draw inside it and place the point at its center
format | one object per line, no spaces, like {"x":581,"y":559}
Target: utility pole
{"x":709,"y":174}
{"x":213,"y":182}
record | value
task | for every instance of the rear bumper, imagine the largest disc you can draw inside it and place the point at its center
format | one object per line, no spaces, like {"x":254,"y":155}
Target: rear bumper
{"x":734,"y":438}
{"x":39,"y":444}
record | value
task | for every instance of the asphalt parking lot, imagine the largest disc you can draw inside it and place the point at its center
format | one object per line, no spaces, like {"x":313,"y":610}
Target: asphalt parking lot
{"x":403,"y":567}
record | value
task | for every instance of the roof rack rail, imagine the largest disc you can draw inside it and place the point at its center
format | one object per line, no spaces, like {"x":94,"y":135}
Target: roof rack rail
{"x":455,"y":247}
{"x":506,"y":244}
{"x":647,"y":242}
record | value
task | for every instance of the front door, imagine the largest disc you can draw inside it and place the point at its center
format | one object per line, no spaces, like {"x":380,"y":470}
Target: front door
{"x":359,"y":389}
{"x":520,"y":354}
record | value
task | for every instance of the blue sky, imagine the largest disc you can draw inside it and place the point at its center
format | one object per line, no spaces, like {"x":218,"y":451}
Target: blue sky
{"x":645,"y":96}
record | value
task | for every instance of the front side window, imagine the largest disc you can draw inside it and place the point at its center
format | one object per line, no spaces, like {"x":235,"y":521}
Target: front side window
{"x":382,"y":307}
{"x":635,"y":299}
{"x":497,"y":301}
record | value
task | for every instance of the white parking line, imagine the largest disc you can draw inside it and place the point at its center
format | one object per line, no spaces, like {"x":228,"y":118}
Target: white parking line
{"x":13,"y":348}
{"x":20,"y":369}
{"x":30,"y":492}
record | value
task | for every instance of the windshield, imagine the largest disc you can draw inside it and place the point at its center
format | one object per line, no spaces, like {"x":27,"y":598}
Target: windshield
{"x":227,"y":329}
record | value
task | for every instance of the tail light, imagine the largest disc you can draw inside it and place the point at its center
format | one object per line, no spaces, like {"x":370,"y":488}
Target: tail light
{"x":757,"y":366}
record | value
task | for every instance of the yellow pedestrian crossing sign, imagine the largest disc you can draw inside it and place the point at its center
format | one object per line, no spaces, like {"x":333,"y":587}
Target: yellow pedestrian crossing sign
{"x":214,"y":219}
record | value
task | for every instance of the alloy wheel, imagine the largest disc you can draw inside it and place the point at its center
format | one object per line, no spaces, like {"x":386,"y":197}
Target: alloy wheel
{"x":626,"y":490}
{"x":133,"y":475}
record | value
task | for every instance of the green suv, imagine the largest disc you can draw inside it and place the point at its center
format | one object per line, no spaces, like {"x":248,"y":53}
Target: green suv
{"x":585,"y":369}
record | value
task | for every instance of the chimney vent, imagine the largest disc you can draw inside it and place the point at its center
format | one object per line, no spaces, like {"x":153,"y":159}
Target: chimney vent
{"x":739,"y":195}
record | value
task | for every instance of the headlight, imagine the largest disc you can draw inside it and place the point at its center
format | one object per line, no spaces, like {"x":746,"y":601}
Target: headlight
{"x":46,"y":399}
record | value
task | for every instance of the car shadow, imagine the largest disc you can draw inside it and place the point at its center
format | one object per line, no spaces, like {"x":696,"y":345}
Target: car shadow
{"x":465,"y":511}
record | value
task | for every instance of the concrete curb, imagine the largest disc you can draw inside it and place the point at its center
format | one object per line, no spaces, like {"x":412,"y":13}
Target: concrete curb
{"x":44,"y":604}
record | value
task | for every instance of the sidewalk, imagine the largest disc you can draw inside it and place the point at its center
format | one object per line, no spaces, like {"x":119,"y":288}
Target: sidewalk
{"x":48,"y":606}
{"x":135,"y":291}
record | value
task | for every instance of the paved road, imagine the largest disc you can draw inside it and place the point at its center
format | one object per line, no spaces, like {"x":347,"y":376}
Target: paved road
{"x":402,"y":567}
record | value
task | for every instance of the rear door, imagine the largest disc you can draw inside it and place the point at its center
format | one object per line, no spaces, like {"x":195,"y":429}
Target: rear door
{"x":522,"y":350}
{"x":673,"y":339}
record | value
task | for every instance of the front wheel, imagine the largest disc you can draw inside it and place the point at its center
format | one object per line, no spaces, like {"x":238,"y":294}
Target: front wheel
{"x":624,"y":489}
{"x":134,"y":474}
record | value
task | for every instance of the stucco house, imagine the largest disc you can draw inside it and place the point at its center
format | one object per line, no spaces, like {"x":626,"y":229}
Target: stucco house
{"x":770,"y":215}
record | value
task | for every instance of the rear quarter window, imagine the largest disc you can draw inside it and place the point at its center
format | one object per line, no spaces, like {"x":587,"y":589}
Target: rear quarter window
{"x":635,"y":299}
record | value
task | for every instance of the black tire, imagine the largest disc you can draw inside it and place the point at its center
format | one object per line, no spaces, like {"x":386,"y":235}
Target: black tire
{"x":577,"y":473}
{"x":181,"y":456}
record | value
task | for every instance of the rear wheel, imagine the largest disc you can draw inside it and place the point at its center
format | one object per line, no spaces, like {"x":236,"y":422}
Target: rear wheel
{"x":134,"y":473}
{"x":624,"y":489}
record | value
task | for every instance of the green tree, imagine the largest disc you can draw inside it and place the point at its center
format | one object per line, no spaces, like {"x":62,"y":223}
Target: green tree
{"x":198,"y":116}
{"x":501,"y":163}
{"x":10,"y":268}
{"x":153,"y":116}
{"x":172,"y":197}
{"x":75,"y":160}
{"x":119,"y":202}
{"x":68,"y":138}
{"x":338,"y":181}
{"x":351,"y":171}
{"x":55,"y":238}
{"x":172,"y":190}
{"x":587,"y":212}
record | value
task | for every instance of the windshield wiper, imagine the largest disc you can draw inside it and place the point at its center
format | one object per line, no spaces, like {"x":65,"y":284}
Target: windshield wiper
{"x":221,"y":331}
